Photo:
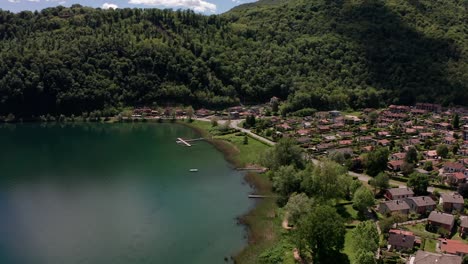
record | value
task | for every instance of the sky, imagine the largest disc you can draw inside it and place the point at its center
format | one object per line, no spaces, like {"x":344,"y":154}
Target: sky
{"x":200,"y":6}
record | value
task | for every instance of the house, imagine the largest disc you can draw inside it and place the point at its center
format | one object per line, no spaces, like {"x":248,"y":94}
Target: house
{"x":454,"y":247}
{"x":455,"y":178}
{"x":451,"y":202}
{"x":429,"y":107}
{"x":443,"y":126}
{"x":400,"y":241}
{"x":451,"y":167}
{"x":427,"y":135}
{"x":463,"y":226}
{"x":393,"y":206}
{"x":383,"y":142}
{"x":431,"y":154}
{"x":421,"y":204}
{"x":398,"y":193}
{"x":449,"y":140}
{"x":203,"y":112}
{"x":395,"y":165}
{"x":398,"y":156}
{"x":424,"y":257}
{"x":438,"y":220}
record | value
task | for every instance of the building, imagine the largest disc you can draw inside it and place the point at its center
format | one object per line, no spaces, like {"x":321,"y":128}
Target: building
{"x":451,"y":202}
{"x":394,"y":206}
{"x":395,"y":165}
{"x":438,"y":220}
{"x":424,"y":257}
{"x":421,"y":204}
{"x":463,"y":226}
{"x":399,"y":193}
{"x":454,"y":247}
{"x":400,"y":241}
{"x":452,"y":167}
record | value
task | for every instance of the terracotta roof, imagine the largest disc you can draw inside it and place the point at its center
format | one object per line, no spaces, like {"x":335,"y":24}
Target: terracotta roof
{"x":441,"y":218}
{"x":453,"y":246}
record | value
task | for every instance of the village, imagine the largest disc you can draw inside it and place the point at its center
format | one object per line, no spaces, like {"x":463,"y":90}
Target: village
{"x":425,"y":139}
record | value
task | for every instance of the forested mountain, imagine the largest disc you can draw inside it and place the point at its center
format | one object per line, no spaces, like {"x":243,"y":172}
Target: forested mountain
{"x":321,"y":54}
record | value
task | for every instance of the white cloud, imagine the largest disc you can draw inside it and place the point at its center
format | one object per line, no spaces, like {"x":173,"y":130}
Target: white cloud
{"x":14,"y":1}
{"x":197,"y":5}
{"x":109,"y":5}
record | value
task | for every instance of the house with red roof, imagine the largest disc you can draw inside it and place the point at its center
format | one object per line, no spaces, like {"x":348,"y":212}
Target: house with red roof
{"x":455,"y":247}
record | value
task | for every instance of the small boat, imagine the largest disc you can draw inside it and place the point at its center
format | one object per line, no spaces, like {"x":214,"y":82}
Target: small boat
{"x":193,"y":170}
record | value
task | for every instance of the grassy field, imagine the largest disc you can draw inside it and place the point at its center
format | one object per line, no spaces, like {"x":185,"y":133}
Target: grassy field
{"x":232,"y":144}
{"x":420,"y":230}
{"x":430,"y":245}
{"x":347,"y":247}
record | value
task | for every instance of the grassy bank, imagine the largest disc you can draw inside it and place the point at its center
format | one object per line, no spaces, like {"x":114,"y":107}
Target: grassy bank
{"x":263,"y":223}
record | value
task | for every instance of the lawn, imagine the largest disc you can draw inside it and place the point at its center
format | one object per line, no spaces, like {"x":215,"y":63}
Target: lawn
{"x":347,"y":211}
{"x":420,"y":230}
{"x":430,"y":245}
{"x":347,"y":246}
{"x":232,"y":144}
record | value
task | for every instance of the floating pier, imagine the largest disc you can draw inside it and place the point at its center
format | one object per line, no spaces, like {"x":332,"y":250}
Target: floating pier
{"x":180,"y":140}
{"x":257,"y":196}
{"x":186,"y":141}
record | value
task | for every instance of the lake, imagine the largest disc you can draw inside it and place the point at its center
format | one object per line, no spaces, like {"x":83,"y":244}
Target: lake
{"x":116,"y":193}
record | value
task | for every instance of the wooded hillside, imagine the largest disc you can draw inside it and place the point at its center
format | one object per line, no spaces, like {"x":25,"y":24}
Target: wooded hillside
{"x":316,"y":53}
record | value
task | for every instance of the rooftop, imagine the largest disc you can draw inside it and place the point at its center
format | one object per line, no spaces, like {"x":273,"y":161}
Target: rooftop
{"x":401,"y":240}
{"x":423,"y":257}
{"x":400,"y":191}
{"x":442,"y":218}
{"x":396,"y":205}
{"x":452,"y":198}
{"x":422,"y":200}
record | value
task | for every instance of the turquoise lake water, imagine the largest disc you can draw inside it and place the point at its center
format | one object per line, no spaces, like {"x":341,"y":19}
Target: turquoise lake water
{"x":116,"y":193}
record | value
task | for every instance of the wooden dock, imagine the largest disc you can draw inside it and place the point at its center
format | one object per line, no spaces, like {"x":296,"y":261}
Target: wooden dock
{"x":186,"y":141}
{"x":257,"y":196}
{"x":180,"y":140}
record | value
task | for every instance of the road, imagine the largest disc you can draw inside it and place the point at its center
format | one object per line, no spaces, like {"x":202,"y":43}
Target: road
{"x":362,"y":177}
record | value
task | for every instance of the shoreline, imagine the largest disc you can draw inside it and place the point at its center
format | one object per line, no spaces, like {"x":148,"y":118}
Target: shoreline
{"x":256,"y":237}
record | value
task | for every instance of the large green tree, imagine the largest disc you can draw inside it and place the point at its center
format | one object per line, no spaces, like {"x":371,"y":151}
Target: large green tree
{"x":321,"y":232}
{"x":298,"y":205}
{"x":363,"y":199}
{"x":285,"y":153}
{"x":376,"y":161}
{"x":419,"y":183}
{"x":327,"y":181}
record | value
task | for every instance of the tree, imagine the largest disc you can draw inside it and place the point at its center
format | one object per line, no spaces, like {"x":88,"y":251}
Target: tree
{"x":442,"y":151}
{"x":428,"y":166}
{"x":321,"y":232}
{"x":286,"y":152}
{"x":363,"y":199}
{"x":327,"y":181}
{"x":365,"y":237}
{"x":190,"y":112}
{"x":419,"y":183}
{"x":411,"y":155}
{"x":463,"y":190}
{"x":214,"y":122}
{"x":298,"y":205}
{"x":407,"y":168}
{"x":456,"y":121}
{"x":286,"y":180}
{"x":364,"y":257}
{"x":381,"y":181}
{"x":465,"y":260}
{"x":246,"y":140}
{"x":376,"y":161}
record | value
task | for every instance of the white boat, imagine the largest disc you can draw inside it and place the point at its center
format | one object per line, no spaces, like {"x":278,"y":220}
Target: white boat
{"x":193,"y":170}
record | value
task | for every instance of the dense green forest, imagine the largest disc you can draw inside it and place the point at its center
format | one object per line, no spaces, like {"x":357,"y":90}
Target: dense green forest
{"x":321,"y":54}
